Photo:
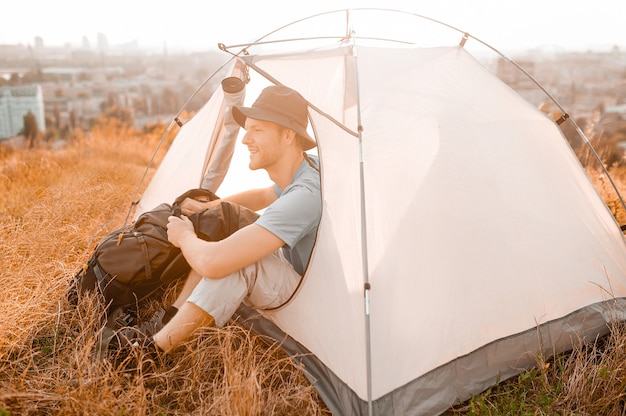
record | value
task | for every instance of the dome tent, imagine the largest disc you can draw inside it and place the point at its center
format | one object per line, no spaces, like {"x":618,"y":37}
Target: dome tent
{"x":460,"y":236}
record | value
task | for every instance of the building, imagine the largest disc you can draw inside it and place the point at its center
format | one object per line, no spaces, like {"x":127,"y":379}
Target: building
{"x":15,"y":103}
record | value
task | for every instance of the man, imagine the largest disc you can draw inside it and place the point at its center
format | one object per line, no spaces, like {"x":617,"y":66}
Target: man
{"x":260,"y":264}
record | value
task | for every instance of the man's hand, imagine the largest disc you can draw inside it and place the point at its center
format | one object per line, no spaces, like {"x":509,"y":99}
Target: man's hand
{"x":179,"y":229}
{"x":190,"y":205}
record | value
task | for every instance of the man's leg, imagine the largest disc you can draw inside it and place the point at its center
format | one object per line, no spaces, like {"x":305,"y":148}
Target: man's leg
{"x":200,"y":303}
{"x":188,"y":318}
{"x":185,"y":320}
{"x":190,"y":284}
{"x":162,"y":316}
{"x":267,"y":283}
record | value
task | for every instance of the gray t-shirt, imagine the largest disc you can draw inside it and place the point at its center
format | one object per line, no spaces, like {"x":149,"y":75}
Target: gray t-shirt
{"x":295,"y":215}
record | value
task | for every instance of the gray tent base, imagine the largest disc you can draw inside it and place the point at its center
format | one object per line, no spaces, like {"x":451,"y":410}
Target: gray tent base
{"x":455,"y":381}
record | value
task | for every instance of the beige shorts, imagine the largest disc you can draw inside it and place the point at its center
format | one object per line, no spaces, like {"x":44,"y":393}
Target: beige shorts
{"x":268,"y":283}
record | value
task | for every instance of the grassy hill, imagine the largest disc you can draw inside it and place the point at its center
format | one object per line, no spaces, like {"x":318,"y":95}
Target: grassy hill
{"x":58,"y":203}
{"x":56,"y":206}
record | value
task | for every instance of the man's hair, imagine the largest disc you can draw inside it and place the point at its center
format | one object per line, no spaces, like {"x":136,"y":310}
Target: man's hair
{"x":299,"y":139}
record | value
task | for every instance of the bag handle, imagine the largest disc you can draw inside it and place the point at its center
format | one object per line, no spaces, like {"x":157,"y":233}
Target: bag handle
{"x":195,"y":194}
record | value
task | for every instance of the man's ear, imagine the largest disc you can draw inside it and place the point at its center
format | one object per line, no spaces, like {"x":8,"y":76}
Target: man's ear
{"x":290,"y":135}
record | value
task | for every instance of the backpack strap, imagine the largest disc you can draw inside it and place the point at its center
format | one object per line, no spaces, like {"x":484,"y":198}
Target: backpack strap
{"x":146,"y":256}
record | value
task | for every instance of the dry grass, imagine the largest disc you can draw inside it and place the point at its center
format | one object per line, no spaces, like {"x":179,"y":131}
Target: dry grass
{"x":593,"y":377}
{"x":56,"y":205}
{"x":590,"y":380}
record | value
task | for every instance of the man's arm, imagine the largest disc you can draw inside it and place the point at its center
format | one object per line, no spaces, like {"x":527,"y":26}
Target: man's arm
{"x":217,"y":259}
{"x":254,"y":199}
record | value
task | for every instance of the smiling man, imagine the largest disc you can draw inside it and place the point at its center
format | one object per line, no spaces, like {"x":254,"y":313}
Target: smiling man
{"x":260,"y":264}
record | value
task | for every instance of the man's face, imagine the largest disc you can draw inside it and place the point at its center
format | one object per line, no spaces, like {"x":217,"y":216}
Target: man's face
{"x":263,"y":139}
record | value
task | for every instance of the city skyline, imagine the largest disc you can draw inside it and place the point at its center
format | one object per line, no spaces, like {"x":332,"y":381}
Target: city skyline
{"x":195,"y":25}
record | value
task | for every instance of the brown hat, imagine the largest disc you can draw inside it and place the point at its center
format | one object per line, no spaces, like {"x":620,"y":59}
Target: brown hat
{"x":280,"y":105}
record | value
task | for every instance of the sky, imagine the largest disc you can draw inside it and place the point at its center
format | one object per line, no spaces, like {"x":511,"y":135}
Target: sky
{"x":192,"y":25}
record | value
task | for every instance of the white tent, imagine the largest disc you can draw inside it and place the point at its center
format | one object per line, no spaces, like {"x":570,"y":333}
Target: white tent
{"x":460,"y":235}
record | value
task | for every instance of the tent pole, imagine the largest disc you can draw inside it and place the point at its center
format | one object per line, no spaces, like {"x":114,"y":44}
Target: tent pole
{"x":366,"y":282}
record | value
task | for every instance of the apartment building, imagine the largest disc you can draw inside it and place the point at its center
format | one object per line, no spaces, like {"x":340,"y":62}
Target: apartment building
{"x":15,"y":103}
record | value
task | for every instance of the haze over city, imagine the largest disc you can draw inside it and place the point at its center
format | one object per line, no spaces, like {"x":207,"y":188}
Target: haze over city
{"x":199,"y":25}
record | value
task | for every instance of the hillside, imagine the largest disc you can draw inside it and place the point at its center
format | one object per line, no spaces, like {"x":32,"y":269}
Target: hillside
{"x":57,"y":205}
{"x":59,"y":202}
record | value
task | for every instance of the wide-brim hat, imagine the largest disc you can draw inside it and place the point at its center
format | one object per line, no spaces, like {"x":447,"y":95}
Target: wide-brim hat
{"x":280,"y":105}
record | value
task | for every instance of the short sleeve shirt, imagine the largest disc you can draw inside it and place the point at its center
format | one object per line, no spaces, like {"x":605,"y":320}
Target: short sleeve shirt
{"x":295,"y":215}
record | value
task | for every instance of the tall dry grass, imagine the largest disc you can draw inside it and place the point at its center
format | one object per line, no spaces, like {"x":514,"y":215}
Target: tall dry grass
{"x":55,"y":206}
{"x":589,"y":380}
